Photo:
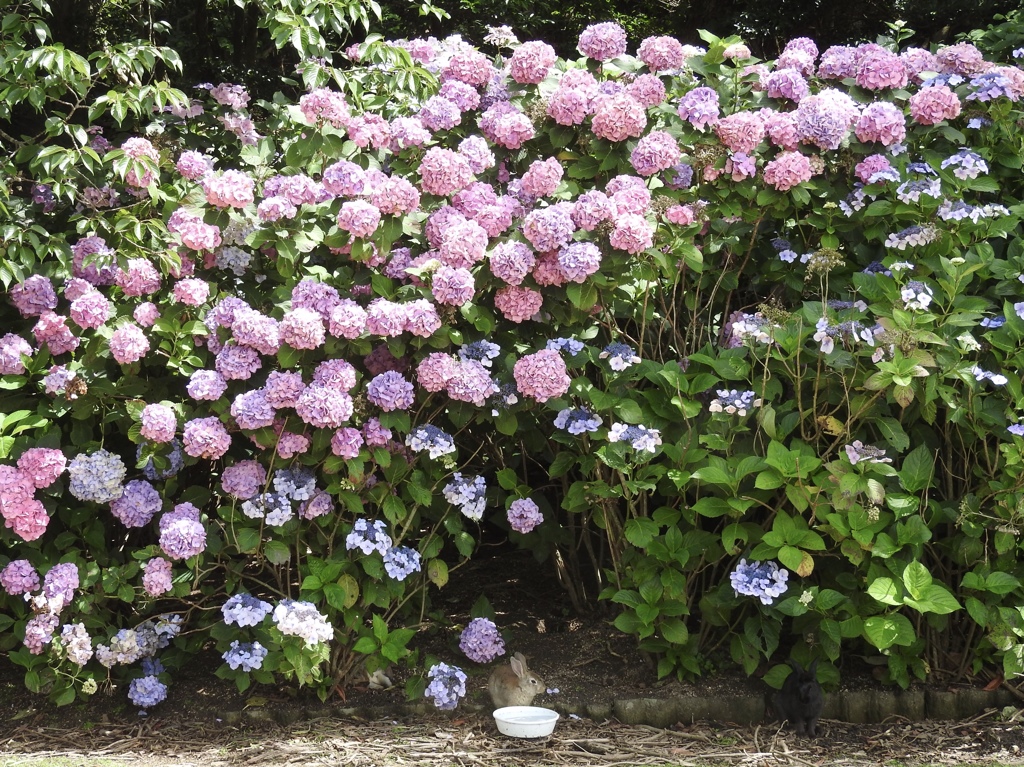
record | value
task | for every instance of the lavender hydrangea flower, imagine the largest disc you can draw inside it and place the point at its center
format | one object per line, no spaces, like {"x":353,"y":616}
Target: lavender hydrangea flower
{"x":152,"y":666}
{"x":570,"y":346}
{"x":19,"y":577}
{"x":764,"y":580}
{"x":577,"y":420}
{"x":639,"y":437}
{"x":980,"y":374}
{"x":147,"y":691}
{"x":430,"y":438}
{"x":368,"y":537}
{"x":245,"y":655}
{"x":481,"y":642}
{"x":59,"y":585}
{"x":468,"y":493}
{"x":858,"y":451}
{"x":1016,"y":429}
{"x":400,"y":562}
{"x":620,"y":356}
{"x":916,"y":295}
{"x":524,"y":515}
{"x":245,"y":610}
{"x":447,"y":686}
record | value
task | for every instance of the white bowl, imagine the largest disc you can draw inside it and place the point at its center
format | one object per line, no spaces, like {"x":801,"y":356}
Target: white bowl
{"x":525,"y":721}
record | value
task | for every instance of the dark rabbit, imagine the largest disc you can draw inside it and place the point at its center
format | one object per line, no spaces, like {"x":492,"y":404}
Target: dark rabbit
{"x":800,"y":700}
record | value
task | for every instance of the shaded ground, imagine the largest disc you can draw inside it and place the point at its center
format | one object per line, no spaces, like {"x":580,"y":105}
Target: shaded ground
{"x":205,"y":721}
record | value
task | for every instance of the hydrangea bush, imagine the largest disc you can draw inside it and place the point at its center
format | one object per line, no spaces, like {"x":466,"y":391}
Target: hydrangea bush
{"x":712,"y":328}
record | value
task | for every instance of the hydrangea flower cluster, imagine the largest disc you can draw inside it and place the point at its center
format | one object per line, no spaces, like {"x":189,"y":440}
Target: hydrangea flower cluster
{"x":468,"y":493}
{"x":577,"y":420}
{"x":430,"y":439}
{"x":858,"y":452}
{"x":245,"y":610}
{"x":247,"y":656}
{"x":302,"y":619}
{"x":369,"y":537}
{"x":524,"y":515}
{"x":447,"y":686}
{"x":733,"y":401}
{"x":480,"y":641}
{"x":640,"y":438}
{"x":620,"y":356}
{"x":764,"y":580}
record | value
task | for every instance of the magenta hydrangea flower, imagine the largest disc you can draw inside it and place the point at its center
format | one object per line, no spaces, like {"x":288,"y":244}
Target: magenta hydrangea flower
{"x":42,"y":465}
{"x":541,"y":375}
{"x":205,"y":438}
{"x":603,"y":41}
{"x":244,"y":479}
{"x":787,"y":170}
{"x":524,"y":515}
{"x":90,"y":310}
{"x":358,"y":218}
{"x":618,"y":117}
{"x":158,"y":423}
{"x":156,"y":576}
{"x":390,"y":391}
{"x":128,"y":344}
{"x":348,"y":320}
{"x":661,"y":54}
{"x":237,"y":363}
{"x":542,"y":177}
{"x":531,"y":62}
{"x":549,"y":228}
{"x":655,"y":152}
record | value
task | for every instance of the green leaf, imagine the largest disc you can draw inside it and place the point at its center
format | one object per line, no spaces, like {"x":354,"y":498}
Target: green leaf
{"x":916,"y":472}
{"x":674,"y":631}
{"x":893,"y":433}
{"x":885,"y":591}
{"x":437,"y":572}
{"x":917,"y":579}
{"x":248,"y":539}
{"x":640,"y":531}
{"x":883,"y":631}
{"x":277,"y":553}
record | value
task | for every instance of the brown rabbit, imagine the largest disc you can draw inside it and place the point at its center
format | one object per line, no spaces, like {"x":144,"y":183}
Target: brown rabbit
{"x":515,"y":684}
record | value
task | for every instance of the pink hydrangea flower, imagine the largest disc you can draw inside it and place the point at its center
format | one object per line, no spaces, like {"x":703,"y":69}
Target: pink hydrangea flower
{"x":191,"y":291}
{"x":647,"y":89}
{"x":542,"y":177}
{"x":786,"y":84}
{"x":156,"y":576}
{"x":655,"y":152}
{"x":251,"y":328}
{"x":570,"y":106}
{"x":12,"y":349}
{"x":158,"y":423}
{"x":681,"y":215}
{"x":933,"y":104}
{"x":435,"y":370}
{"x":237,"y":363}
{"x":531,"y":62}
{"x":358,"y":218}
{"x":541,"y":375}
{"x":90,"y":310}
{"x":591,"y":208}
{"x":205,"y":438}
{"x":369,"y":130}
{"x":511,"y":261}
{"x":661,"y":54}
{"x":618,"y":117}
{"x":324,"y":105}
{"x":699,"y":107}
{"x":396,"y":196}
{"x":871,"y":165}
{"x":302,"y":329}
{"x":603,"y":41}
{"x":230,"y":95}
{"x":463,"y":244}
{"x":517,"y":304}
{"x":244,"y":479}
{"x":194,"y":165}
{"x":128,"y":344}
{"x":453,"y":286}
{"x":42,"y":465}
{"x":390,"y":391}
{"x":549,"y":228}
{"x":230,"y":189}
{"x":140,"y":278}
{"x":781,"y":128}
{"x":463,"y":95}
{"x":444,"y":172}
{"x":142,"y":150}
{"x":324,"y":407}
{"x":469,"y":66}
{"x":290,"y":444}
{"x":438,"y":113}
{"x":33,"y":296}
{"x":787,"y":170}
{"x":477,"y":153}
{"x":421,"y":318}
{"x":206,"y":385}
{"x":348,"y":320}
{"x":547,"y":270}
{"x":632,"y":233}
{"x":50,"y":330}
{"x":506,"y":125}
{"x":961,"y":59}
{"x":385,"y":318}
{"x":470,"y":382}
{"x":880,"y":69}
{"x":346,"y":442}
{"x":882,"y":122}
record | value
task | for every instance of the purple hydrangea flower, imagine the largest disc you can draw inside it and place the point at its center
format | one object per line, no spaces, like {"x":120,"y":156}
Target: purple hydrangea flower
{"x":764,"y":580}
{"x":524,"y":515}
{"x":245,"y":655}
{"x":139,"y":503}
{"x":147,"y":691}
{"x":639,"y":437}
{"x":858,"y":452}
{"x":577,"y":420}
{"x":468,"y":493}
{"x":481,"y":641}
{"x":436,"y":442}
{"x":447,"y":685}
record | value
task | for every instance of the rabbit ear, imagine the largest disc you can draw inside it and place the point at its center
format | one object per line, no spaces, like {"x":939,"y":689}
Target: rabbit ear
{"x":518,"y":665}
{"x":795,"y":666}
{"x":813,"y":668}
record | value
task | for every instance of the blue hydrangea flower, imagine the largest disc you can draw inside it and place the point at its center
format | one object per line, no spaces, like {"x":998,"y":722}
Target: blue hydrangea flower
{"x":577,"y":420}
{"x":620,"y":356}
{"x":998,"y":322}
{"x":570,"y":346}
{"x":916,"y":295}
{"x":1017,"y":429}
{"x":245,"y":610}
{"x":302,"y":619}
{"x":506,"y":396}
{"x":679,"y":176}
{"x":966,"y":164}
{"x":977,"y":123}
{"x":146,"y":691}
{"x":481,"y":641}
{"x":152,"y":666}
{"x":447,"y":685}
{"x":96,"y":476}
{"x":400,"y":562}
{"x":245,"y":655}
{"x":481,"y":351}
{"x":368,"y":537}
{"x":275,"y":508}
{"x":436,"y":442}
{"x":639,"y":437}
{"x":989,"y":85}
{"x":298,"y":484}
{"x":980,"y":374}
{"x":468,"y":493}
{"x":764,"y":580}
